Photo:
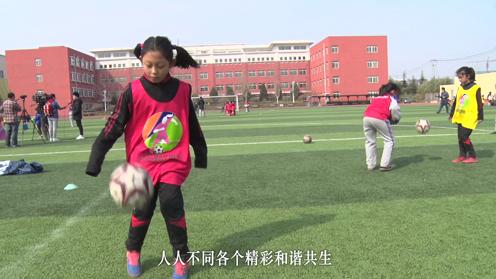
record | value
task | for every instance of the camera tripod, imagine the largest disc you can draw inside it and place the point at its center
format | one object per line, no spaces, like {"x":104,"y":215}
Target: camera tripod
{"x":25,"y":118}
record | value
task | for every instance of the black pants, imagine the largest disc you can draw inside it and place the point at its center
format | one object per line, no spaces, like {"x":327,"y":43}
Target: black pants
{"x":446,"y":105}
{"x":172,"y":208}
{"x":464,"y":142}
{"x":80,"y":126}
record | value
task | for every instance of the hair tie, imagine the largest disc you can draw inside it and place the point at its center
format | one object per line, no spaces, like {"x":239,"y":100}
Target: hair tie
{"x":174,"y":53}
{"x":141,"y":45}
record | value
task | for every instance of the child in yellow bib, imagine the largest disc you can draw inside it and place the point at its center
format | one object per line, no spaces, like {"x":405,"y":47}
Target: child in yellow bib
{"x":467,"y":112}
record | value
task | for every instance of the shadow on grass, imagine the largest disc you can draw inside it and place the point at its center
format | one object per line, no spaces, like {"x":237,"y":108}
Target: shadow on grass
{"x":486,"y":153}
{"x":416,"y":159}
{"x":256,"y":237}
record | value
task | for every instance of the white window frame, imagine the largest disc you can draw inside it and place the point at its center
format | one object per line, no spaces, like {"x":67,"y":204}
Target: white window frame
{"x":373,"y":64}
{"x":373,"y":79}
{"x":372,"y":49}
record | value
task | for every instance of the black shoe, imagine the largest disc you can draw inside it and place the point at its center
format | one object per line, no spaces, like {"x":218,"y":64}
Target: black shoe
{"x":386,"y":168}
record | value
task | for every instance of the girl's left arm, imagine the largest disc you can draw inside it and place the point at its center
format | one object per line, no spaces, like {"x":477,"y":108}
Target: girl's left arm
{"x":196,"y":138}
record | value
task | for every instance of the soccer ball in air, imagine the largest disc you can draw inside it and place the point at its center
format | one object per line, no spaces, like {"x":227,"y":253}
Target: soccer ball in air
{"x":423,"y":126}
{"x":307,"y":139}
{"x":130,"y":186}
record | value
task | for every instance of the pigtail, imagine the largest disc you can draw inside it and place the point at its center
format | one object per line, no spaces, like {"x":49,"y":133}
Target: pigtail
{"x":137,"y":51}
{"x":183,"y":58}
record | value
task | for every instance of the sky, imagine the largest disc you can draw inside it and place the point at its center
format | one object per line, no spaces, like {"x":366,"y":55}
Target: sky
{"x":422,"y":34}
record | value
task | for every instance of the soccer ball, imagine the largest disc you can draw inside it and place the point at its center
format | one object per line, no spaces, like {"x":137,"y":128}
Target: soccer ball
{"x":130,"y":186}
{"x":423,"y":126}
{"x":307,"y":139}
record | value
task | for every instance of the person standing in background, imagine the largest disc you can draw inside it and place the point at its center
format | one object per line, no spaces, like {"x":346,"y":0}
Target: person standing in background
{"x":77,"y":114}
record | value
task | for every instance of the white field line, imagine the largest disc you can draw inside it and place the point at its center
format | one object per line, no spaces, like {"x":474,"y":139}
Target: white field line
{"x":33,"y":252}
{"x":242,"y":143}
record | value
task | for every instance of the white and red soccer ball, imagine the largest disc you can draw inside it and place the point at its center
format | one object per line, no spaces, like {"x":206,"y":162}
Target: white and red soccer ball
{"x":130,"y":186}
{"x":423,"y":126}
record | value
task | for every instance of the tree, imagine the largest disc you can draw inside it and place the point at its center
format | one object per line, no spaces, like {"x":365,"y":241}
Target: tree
{"x":263,"y":93}
{"x":214,"y":93}
{"x":431,"y":86}
{"x":422,"y":78}
{"x":278,"y":93}
{"x":229,"y":91}
{"x":296,"y":90}
{"x":113,"y":100}
{"x":247,"y":95}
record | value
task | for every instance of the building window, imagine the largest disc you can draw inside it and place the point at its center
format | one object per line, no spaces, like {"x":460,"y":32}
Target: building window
{"x":204,"y":76}
{"x":334,"y":49}
{"x":302,"y":85}
{"x":228,"y":74}
{"x":284,"y":72}
{"x":284,"y":84}
{"x":119,"y":54}
{"x":219,"y":75}
{"x":219,"y":87}
{"x":1,"y":74}
{"x":238,"y":87}
{"x":270,"y":86}
{"x":39,"y":78}
{"x":335,"y":64}
{"x":91,"y":66}
{"x":251,"y":73}
{"x":261,"y":73}
{"x":37,"y":62}
{"x":271,"y":73}
{"x":335,"y":80}
{"x":293,"y":72}
{"x":372,"y":49}
{"x":300,"y":47}
{"x":373,"y":79}
{"x":103,"y":55}
{"x":284,"y":47}
{"x":302,"y":72}
{"x":73,"y":61}
{"x":237,"y":74}
{"x":252,"y":86}
{"x":204,"y":88}
{"x":372,"y":64}
{"x":78,"y":64}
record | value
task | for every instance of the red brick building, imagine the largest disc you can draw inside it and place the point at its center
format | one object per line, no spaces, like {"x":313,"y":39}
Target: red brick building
{"x":342,"y":65}
{"x":349,"y":65}
{"x":59,"y":70}
{"x":275,"y":65}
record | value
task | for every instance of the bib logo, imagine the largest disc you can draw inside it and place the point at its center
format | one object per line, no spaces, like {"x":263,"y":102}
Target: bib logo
{"x":162,"y":132}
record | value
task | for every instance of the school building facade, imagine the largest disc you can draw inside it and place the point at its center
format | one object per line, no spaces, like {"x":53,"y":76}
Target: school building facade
{"x":349,"y":65}
{"x":345,"y":65}
{"x":337,"y":64}
{"x":59,"y":70}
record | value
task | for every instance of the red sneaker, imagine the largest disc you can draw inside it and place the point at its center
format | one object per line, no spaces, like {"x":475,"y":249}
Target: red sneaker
{"x":459,"y":159}
{"x":470,"y":160}
{"x":181,"y":270}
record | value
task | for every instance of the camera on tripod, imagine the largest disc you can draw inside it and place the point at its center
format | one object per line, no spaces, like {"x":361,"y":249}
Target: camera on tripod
{"x":23,"y":97}
{"x":40,"y":98}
